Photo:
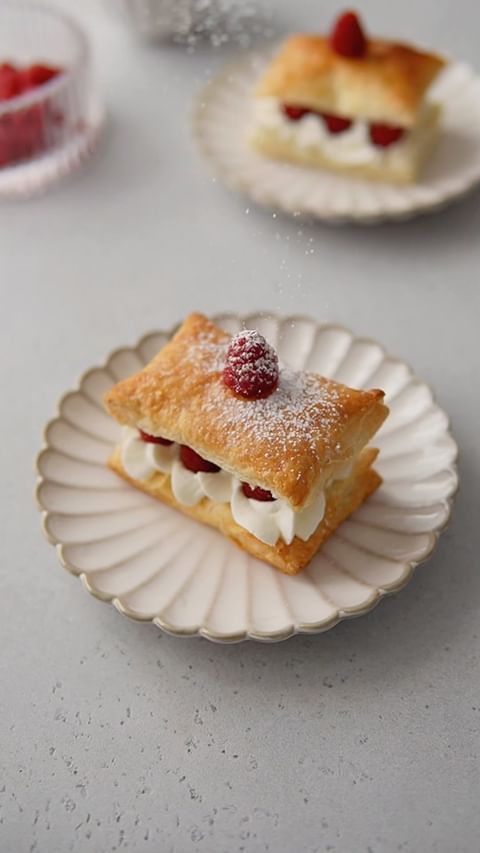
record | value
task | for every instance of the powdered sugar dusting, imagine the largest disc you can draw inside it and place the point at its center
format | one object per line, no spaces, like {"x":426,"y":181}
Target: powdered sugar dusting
{"x":299,"y":416}
{"x":206,"y":352}
{"x":288,"y":419}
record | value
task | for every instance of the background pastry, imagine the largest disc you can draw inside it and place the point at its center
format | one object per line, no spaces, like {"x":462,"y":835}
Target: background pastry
{"x":348,"y":102}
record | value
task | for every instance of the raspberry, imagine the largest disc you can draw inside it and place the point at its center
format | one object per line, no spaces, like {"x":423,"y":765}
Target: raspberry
{"x":30,"y":137}
{"x":256,"y":493}
{"x":193,"y":462}
{"x":5,"y":140}
{"x":154,"y":439}
{"x":384,"y":135}
{"x":15,"y":81}
{"x":9,"y":82}
{"x":348,"y":38}
{"x":336,"y":124}
{"x":22,"y":133}
{"x":294,"y":113}
{"x":37,"y":75}
{"x":251,"y":366}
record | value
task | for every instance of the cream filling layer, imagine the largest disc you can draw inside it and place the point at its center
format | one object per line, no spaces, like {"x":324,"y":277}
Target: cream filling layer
{"x":268,"y":521}
{"x":352,"y":147}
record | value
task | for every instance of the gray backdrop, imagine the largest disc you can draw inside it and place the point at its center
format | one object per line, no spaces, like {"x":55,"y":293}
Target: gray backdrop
{"x":115,"y":737}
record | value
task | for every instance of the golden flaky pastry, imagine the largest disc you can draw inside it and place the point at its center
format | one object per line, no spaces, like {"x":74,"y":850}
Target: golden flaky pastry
{"x":387,"y":84}
{"x":307,"y":437}
{"x":291,"y":443}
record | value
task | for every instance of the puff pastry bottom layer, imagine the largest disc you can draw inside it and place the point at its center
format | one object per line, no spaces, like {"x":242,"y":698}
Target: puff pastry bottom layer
{"x":400,"y":166}
{"x":342,"y":498}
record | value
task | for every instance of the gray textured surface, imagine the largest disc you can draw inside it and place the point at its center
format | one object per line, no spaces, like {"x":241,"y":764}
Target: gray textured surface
{"x":114,"y":737}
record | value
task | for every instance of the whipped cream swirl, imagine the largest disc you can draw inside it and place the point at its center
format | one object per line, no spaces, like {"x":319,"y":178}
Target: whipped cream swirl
{"x":266,"y":520}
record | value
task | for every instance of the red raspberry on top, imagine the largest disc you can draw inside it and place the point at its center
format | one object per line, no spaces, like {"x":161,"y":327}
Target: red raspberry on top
{"x":251,"y":366}
{"x":348,"y":38}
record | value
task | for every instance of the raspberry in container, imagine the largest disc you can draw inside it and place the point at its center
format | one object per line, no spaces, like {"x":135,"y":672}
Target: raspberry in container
{"x":50,"y":115}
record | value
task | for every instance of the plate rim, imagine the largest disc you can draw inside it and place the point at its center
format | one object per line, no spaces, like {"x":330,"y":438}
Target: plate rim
{"x":261,"y":636}
{"x":267,"y":201}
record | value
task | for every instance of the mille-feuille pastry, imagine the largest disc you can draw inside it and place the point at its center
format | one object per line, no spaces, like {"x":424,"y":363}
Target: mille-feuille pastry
{"x":275,"y":459}
{"x":348,"y":102}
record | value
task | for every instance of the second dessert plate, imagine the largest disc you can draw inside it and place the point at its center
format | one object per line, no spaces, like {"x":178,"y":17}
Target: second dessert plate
{"x":223,"y":115}
{"x":156,"y":565}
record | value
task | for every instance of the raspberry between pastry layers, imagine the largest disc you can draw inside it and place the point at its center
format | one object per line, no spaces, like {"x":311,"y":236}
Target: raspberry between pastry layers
{"x":348,"y":102}
{"x":304,"y":443}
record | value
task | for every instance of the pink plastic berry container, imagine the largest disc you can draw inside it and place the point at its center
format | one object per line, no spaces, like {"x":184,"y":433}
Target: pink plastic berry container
{"x":50,"y":116}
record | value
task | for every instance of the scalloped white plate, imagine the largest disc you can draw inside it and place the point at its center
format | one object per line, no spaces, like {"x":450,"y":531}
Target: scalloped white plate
{"x":156,"y":565}
{"x":222,"y":115}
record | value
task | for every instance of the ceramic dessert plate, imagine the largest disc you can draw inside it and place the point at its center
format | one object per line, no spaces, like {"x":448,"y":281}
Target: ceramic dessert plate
{"x":156,"y":565}
{"x":223,"y":114}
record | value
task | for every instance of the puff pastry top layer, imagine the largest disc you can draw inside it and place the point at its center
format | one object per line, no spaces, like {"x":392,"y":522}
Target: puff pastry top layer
{"x":386,"y":85}
{"x":290,"y":443}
